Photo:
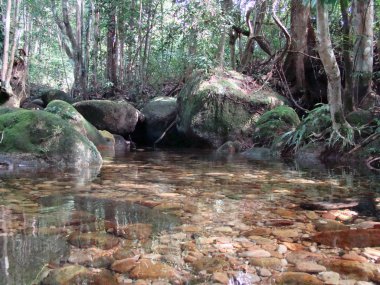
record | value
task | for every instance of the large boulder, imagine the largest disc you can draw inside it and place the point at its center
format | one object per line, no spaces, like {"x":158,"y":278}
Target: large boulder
{"x":116,"y":117}
{"x":273,"y":124}
{"x":54,"y":94}
{"x":42,"y":138}
{"x":159,"y":114}
{"x":222,"y":106}
{"x":68,"y":113}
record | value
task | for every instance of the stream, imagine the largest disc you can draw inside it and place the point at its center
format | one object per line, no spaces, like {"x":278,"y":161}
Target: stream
{"x":188,"y":217}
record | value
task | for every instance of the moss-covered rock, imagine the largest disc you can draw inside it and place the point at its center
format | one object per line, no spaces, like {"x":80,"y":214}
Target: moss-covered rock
{"x":42,"y":138}
{"x":222,"y":106}
{"x":359,"y":118}
{"x":54,"y":94}
{"x":116,"y":117}
{"x":159,"y":113}
{"x":68,"y":113}
{"x":273,"y":124}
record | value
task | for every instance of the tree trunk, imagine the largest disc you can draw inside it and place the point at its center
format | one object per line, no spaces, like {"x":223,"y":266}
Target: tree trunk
{"x":330,"y":65}
{"x":362,"y":23}
{"x":6,"y":45}
{"x":348,"y":102}
{"x":254,"y":32}
{"x":111,"y":73}
{"x":294,"y":66}
{"x":226,"y":11}
{"x":95,"y":47}
{"x":13,"y":70}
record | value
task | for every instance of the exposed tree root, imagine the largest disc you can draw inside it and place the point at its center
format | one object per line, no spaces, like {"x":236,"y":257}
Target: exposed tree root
{"x":370,"y":160}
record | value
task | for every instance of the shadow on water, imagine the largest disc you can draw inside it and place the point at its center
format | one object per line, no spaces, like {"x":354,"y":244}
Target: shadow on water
{"x":121,"y":213}
{"x":23,"y":256}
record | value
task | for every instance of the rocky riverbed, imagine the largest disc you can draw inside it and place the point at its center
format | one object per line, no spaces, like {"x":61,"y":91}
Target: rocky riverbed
{"x":159,"y":218}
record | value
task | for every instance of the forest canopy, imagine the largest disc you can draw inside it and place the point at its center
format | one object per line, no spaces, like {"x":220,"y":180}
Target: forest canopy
{"x":321,"y":51}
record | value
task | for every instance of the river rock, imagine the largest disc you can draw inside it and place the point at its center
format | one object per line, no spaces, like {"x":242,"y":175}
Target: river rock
{"x":91,"y":257}
{"x":116,"y":117}
{"x":309,"y":267}
{"x":329,"y":205}
{"x":329,"y":277}
{"x":222,"y":106}
{"x":354,"y":269}
{"x":68,"y":113}
{"x":147,"y":269}
{"x":255,"y":253}
{"x":220,"y":277}
{"x":125,"y":265}
{"x":305,"y":256}
{"x":75,"y":274}
{"x":132,"y":231}
{"x":159,"y":114}
{"x":349,"y":238}
{"x":329,"y":225}
{"x":80,"y":217}
{"x":211,"y":264}
{"x":267,"y":262}
{"x":296,"y":278}
{"x":86,"y":240}
{"x":286,"y":233}
{"x":42,"y":138}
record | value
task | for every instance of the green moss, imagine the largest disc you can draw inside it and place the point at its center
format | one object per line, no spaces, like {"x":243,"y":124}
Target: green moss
{"x":45,"y":135}
{"x":68,"y":113}
{"x":222,"y":105}
{"x":280,"y":113}
{"x":359,"y":118}
{"x":273,"y":124}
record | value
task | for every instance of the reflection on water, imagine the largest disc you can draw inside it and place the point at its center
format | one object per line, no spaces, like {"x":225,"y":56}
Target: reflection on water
{"x":185,"y":197}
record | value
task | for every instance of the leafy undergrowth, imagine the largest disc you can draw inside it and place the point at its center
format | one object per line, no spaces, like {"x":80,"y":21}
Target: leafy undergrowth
{"x":360,"y":139}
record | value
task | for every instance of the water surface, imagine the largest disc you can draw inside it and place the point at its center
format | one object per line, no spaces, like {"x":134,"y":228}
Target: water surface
{"x":186,"y":196}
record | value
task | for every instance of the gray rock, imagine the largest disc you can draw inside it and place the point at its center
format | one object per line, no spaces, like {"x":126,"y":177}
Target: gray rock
{"x":221,"y":106}
{"x":159,"y":114}
{"x":116,"y":117}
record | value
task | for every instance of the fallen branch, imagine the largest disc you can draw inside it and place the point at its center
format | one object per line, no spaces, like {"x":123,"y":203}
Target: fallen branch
{"x":164,"y":133}
{"x":365,"y":142}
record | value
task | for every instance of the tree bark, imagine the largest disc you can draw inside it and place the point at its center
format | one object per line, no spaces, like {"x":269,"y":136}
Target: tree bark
{"x":362,"y":23}
{"x":226,"y":11}
{"x":7,"y":28}
{"x":111,"y":70}
{"x":254,"y":32}
{"x":294,"y":66}
{"x":330,"y":65}
{"x":95,"y":47}
{"x":348,"y":102}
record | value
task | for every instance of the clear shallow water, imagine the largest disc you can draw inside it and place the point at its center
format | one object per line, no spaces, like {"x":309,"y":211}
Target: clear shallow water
{"x":186,"y":196}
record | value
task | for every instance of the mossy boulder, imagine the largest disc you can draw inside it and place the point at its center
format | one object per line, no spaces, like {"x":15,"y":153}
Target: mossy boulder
{"x":42,"y":138}
{"x":54,"y":94}
{"x":68,"y":113}
{"x":222,"y":106}
{"x":359,"y":118}
{"x":116,"y":117}
{"x":159,"y":114}
{"x":273,"y":124}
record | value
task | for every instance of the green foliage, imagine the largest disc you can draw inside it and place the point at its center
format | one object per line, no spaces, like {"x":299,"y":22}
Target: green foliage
{"x":312,"y":128}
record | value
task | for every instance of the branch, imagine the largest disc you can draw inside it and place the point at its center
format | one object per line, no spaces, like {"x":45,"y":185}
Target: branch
{"x":66,"y":21}
{"x":283,"y":29}
{"x":164,"y":133}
